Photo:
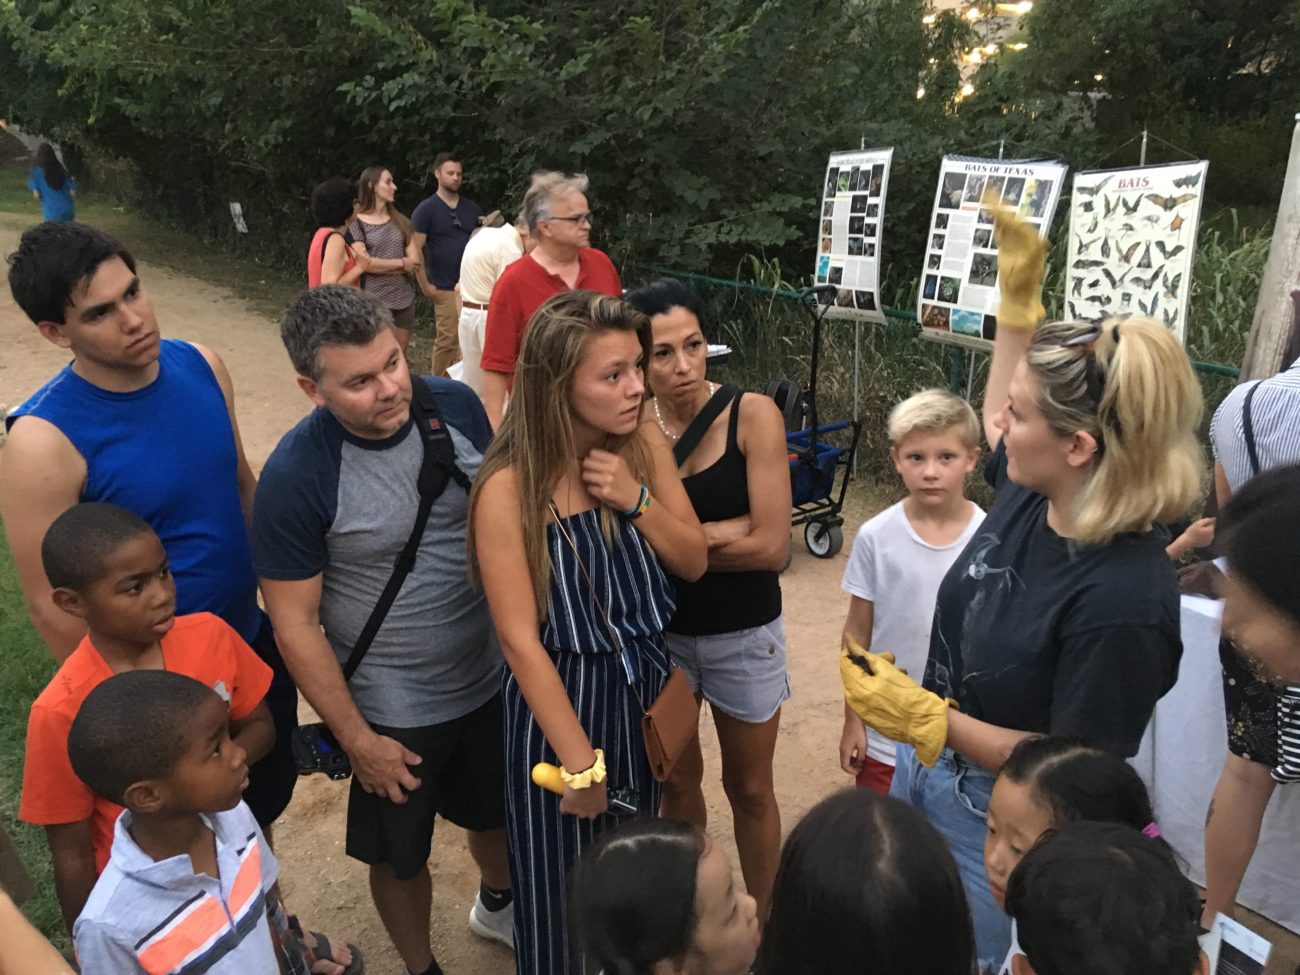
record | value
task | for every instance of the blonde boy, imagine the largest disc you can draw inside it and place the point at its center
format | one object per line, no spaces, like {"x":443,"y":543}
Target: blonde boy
{"x":901,"y":555}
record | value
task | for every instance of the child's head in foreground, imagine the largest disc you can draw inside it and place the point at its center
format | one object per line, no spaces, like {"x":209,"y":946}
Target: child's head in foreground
{"x":935,"y":443}
{"x":865,"y":883}
{"x":107,"y":567}
{"x":657,"y":896}
{"x":157,"y":742}
{"x":1048,"y":782}
{"x":1103,"y":899}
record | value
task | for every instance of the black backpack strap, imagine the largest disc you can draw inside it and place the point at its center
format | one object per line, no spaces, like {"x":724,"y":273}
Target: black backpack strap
{"x":325,"y":242}
{"x":437,"y":467}
{"x":694,"y":432}
{"x":1248,"y":430}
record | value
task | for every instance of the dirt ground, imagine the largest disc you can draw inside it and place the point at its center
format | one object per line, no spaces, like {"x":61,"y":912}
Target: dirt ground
{"x":321,"y":883}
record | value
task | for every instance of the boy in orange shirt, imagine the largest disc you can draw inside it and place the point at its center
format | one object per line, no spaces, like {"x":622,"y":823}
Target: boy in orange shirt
{"x":108,"y":568}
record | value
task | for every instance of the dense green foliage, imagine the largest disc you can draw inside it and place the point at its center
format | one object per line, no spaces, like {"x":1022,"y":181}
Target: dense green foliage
{"x":704,"y":124}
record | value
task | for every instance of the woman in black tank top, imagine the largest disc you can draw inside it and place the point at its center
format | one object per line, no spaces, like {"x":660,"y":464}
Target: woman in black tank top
{"x":727,"y":633}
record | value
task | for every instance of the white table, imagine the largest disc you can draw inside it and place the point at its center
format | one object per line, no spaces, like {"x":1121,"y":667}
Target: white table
{"x":1180,"y":759}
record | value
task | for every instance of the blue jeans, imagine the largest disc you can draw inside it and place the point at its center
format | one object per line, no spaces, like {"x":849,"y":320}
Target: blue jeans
{"x":954,"y":797}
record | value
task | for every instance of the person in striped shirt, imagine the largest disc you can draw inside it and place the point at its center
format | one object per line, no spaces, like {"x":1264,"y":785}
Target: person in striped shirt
{"x":189,"y":885}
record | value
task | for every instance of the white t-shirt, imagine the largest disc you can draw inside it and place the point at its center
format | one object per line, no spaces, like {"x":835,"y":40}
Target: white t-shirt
{"x":487,"y":254}
{"x":899,"y":573}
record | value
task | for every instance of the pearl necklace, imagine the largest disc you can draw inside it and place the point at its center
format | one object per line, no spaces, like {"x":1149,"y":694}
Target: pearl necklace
{"x":713,"y":388}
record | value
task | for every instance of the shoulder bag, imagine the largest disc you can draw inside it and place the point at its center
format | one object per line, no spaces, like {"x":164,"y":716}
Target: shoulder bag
{"x":673,"y":718}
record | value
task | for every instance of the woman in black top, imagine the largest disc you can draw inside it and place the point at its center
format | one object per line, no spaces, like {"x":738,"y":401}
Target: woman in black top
{"x":727,"y":633}
{"x":1061,"y":616}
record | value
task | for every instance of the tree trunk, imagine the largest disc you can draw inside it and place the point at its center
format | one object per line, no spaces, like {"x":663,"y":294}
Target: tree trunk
{"x":1274,"y":312}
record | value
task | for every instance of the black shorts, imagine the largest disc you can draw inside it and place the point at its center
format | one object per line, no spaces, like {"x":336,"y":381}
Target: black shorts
{"x":462,"y":779}
{"x":272,"y":778}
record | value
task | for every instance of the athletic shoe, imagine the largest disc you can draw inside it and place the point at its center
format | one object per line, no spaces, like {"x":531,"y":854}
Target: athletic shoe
{"x":494,"y":925}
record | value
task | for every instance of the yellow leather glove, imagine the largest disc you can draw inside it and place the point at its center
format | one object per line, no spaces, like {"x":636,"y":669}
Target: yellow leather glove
{"x":886,"y":699}
{"x":1022,"y":256}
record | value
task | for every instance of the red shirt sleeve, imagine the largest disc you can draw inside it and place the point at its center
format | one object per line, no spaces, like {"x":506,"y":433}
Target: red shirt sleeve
{"x":52,"y":793}
{"x":607,"y":280}
{"x":504,"y":330}
{"x":250,"y":676}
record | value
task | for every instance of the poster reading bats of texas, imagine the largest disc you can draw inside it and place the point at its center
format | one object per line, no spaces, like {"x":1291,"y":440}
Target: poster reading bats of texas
{"x":1132,"y":240}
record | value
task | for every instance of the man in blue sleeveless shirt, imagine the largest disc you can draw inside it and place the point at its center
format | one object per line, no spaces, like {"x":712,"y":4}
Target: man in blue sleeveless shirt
{"x":146,"y":423}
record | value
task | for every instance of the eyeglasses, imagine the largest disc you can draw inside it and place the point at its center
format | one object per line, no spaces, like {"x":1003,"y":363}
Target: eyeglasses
{"x":579,"y":219}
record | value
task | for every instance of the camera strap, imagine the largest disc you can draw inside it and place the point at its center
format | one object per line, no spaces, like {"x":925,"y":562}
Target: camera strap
{"x":437,"y":467}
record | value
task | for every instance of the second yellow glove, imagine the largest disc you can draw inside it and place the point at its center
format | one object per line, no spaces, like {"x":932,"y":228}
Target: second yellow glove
{"x":1022,"y":257}
{"x":892,"y":703}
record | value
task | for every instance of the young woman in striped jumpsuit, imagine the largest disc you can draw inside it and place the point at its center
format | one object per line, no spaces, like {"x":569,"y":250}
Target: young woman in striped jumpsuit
{"x":577,"y":505}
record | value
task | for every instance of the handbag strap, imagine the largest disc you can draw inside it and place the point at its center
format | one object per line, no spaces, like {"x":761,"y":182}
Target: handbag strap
{"x":697,"y":428}
{"x":595,"y":598}
{"x":1248,"y":430}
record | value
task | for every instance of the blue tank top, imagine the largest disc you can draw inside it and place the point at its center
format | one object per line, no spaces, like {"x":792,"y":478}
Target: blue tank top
{"x":166,"y":452}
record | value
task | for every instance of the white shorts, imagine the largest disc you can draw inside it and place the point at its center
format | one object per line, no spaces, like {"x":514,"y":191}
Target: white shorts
{"x":473,"y":321}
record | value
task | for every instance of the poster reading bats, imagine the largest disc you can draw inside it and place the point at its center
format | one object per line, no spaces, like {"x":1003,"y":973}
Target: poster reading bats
{"x":1132,"y":237}
{"x":958,"y":301}
{"x":852,"y":232}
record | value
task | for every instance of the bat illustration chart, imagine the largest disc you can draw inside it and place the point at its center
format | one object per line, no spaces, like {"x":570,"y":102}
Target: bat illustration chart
{"x":852,"y":232}
{"x":958,"y":300}
{"x":1132,"y":238}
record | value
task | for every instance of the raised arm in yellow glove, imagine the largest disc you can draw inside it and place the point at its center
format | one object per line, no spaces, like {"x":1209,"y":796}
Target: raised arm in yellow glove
{"x":888,"y":700}
{"x":1022,"y":256}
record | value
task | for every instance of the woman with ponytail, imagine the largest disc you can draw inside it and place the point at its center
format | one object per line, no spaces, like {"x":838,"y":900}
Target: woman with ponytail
{"x":1061,"y":616}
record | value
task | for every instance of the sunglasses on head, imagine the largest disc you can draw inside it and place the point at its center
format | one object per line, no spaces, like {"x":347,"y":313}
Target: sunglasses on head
{"x":1092,"y":372}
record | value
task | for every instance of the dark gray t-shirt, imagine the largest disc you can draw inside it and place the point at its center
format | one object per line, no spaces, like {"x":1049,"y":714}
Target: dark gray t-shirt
{"x":341,"y":506}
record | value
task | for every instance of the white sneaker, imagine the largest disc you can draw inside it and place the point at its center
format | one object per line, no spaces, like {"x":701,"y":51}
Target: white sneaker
{"x":494,"y":925}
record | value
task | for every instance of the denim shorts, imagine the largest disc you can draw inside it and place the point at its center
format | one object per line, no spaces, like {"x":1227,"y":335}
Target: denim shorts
{"x":741,"y":673}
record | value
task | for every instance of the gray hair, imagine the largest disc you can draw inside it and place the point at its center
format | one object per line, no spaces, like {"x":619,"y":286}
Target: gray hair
{"x":332,"y":314}
{"x":545,"y":191}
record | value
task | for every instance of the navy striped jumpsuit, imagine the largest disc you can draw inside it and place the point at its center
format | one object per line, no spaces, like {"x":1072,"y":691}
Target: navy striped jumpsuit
{"x":543,"y":843}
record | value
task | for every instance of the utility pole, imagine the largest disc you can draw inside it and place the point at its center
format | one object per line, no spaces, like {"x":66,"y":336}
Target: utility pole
{"x":1274,"y":311}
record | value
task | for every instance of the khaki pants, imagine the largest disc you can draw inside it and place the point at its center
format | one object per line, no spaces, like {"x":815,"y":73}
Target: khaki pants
{"x":446,"y":342}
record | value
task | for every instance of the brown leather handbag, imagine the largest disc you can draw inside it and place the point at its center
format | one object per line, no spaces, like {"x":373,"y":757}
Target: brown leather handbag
{"x":673,"y":718}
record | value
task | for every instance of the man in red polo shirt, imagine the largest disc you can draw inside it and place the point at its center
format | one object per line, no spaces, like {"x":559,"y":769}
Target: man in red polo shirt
{"x":558,"y":219}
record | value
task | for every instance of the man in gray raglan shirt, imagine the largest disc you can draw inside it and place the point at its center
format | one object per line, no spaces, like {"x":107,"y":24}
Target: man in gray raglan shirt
{"x":420,"y":719}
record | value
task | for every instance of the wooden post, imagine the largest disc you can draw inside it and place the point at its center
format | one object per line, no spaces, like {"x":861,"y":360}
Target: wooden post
{"x":1274,"y":311}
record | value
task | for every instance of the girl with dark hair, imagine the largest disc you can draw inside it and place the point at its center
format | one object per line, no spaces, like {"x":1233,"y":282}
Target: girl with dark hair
{"x":727,"y":633}
{"x":1100,"y":899}
{"x":658,"y":896}
{"x":1061,"y":615}
{"x":866,"y":884}
{"x":330,"y":258}
{"x":51,"y":184}
{"x":383,"y":233}
{"x":1261,"y":531}
{"x":1046,"y":783}
{"x":576,"y":513}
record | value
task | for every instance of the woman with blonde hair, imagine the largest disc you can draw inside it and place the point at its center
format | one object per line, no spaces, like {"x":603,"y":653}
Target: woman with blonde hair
{"x":575,"y":508}
{"x":383,"y":234}
{"x":1061,"y":616}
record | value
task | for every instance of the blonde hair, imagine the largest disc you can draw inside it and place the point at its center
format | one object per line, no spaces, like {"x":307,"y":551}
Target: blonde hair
{"x":934,"y":411}
{"x":1132,"y":388}
{"x":536,"y":436}
{"x":370,"y":177}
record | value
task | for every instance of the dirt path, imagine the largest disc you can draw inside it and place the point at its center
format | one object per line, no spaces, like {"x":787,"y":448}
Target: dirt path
{"x":322,"y":884}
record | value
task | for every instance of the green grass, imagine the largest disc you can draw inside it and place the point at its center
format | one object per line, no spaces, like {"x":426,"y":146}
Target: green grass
{"x":25,"y":668}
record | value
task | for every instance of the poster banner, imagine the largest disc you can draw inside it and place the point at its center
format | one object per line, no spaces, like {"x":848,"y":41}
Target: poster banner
{"x":1132,"y":239}
{"x":852,"y":232}
{"x":958,"y":301}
